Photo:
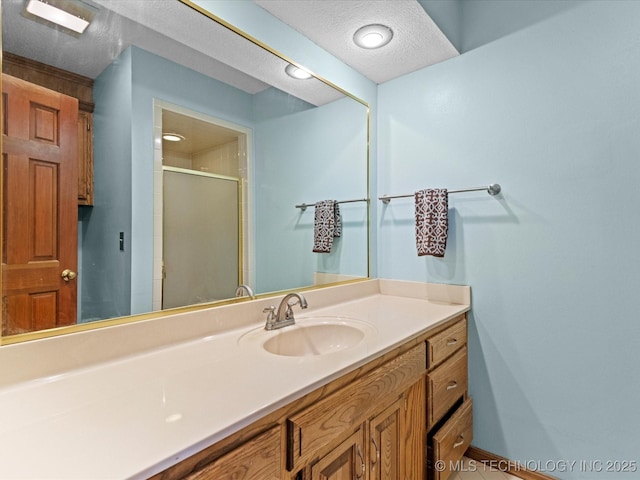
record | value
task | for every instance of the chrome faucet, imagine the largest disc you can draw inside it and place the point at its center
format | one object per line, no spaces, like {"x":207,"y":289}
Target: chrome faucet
{"x":284,"y":315}
{"x":245,"y":288}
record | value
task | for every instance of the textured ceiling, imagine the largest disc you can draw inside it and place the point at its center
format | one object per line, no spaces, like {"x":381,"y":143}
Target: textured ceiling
{"x":188,"y":38}
{"x":187,"y":35}
{"x":417,"y":41}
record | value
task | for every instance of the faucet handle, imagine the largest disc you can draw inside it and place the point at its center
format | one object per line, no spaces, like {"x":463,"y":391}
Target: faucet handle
{"x":271,"y":317}
{"x":271,"y":314}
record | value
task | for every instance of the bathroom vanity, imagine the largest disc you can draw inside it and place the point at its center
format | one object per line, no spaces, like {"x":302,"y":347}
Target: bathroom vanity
{"x":376,"y":388}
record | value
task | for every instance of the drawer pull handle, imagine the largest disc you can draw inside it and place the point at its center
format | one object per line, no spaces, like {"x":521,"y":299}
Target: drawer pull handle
{"x":376,"y":456}
{"x":451,"y":342}
{"x":460,"y":442}
{"x":452,"y":385}
{"x":364,"y":467}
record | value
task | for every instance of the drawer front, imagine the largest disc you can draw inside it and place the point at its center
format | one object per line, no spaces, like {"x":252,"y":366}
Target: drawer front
{"x":258,"y":459}
{"x":443,"y":344}
{"x":452,"y":440}
{"x":445,"y":385}
{"x":317,"y":426}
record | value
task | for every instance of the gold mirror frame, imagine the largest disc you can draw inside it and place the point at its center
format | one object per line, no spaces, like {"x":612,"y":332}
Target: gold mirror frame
{"x":18,"y":338}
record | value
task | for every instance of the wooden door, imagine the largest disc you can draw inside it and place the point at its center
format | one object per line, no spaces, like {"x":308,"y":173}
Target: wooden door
{"x":384,"y":449}
{"x":345,"y":462}
{"x":40,"y":183}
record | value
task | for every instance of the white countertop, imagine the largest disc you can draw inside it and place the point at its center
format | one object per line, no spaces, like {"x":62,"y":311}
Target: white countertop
{"x":136,"y":415}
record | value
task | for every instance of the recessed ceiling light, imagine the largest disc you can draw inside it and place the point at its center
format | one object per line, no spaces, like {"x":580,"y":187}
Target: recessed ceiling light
{"x":73,"y":15}
{"x":172,"y":137}
{"x":297,"y":73}
{"x":373,"y":36}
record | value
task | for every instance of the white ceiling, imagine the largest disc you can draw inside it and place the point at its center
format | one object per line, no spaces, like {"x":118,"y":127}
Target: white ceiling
{"x":417,"y":41}
{"x":187,"y":35}
{"x":167,"y":28}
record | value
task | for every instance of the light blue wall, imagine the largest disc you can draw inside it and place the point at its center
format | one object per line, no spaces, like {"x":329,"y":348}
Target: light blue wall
{"x":127,"y":89}
{"x":447,"y":15}
{"x":484,"y":21}
{"x":256,"y":22}
{"x":552,"y":112}
{"x":123,"y":157}
{"x":154,"y":77}
{"x":106,"y":271}
{"x":304,"y":157}
{"x":272,"y":102}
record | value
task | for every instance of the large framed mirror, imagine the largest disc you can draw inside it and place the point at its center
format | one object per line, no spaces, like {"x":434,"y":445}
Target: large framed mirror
{"x":85,"y":246}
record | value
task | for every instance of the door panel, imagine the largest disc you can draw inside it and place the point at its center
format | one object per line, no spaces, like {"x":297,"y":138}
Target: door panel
{"x":385,"y":444}
{"x":39,"y":153}
{"x":345,"y":462}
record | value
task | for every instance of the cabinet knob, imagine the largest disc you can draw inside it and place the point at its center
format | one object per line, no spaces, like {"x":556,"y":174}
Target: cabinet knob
{"x":459,"y":442}
{"x":452,"y":385}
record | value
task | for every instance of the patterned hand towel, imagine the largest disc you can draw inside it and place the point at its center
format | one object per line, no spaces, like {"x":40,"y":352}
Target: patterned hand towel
{"x":431,"y":221}
{"x":327,"y":225}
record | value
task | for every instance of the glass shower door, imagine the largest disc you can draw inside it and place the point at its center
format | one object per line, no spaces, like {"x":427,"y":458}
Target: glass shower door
{"x":201,"y":237}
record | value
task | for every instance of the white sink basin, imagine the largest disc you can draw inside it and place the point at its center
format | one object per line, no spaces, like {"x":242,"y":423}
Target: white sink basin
{"x":311,"y":336}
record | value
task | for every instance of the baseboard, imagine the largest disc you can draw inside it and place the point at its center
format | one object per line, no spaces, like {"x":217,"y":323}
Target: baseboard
{"x":504,"y":465}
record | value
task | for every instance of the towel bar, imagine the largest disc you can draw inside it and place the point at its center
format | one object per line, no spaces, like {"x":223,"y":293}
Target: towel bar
{"x":493,"y":189}
{"x":303,"y":206}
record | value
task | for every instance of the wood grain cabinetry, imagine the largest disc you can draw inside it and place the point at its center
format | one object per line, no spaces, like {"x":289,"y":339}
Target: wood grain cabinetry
{"x":85,"y":158}
{"x":385,"y":451}
{"x":374,"y":423}
{"x":449,"y":408}
{"x":381,"y":405}
{"x":257,"y":459}
{"x":345,"y":461}
{"x":76,"y":86}
{"x":446,"y":384}
{"x":313,"y":428}
{"x":452,"y":439}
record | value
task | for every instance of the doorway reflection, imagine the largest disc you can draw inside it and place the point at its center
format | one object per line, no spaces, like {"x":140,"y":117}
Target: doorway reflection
{"x":202,"y":171}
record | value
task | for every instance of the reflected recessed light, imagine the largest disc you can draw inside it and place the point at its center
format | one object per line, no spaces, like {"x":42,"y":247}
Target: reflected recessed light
{"x":373,"y":36}
{"x":172,"y":137}
{"x":297,"y":73}
{"x":73,"y":15}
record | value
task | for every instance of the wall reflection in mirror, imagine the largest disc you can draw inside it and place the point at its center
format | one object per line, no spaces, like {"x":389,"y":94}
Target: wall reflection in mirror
{"x":160,"y":224}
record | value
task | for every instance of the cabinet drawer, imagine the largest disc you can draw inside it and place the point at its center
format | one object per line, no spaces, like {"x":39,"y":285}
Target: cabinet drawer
{"x":446,"y":384}
{"x":258,"y":459}
{"x":443,"y":344}
{"x":319,"y":425}
{"x":452,"y":440}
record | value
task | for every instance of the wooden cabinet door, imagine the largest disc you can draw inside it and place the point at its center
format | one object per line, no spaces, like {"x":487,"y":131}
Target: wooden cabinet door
{"x":85,"y":158}
{"x":258,"y":459}
{"x":384,"y":446}
{"x":40,"y":207}
{"x":345,"y":462}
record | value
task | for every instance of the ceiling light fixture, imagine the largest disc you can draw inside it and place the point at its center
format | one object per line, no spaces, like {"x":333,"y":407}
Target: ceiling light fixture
{"x":72,"y":15}
{"x":297,"y":73}
{"x":172,"y":137}
{"x":373,"y":36}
